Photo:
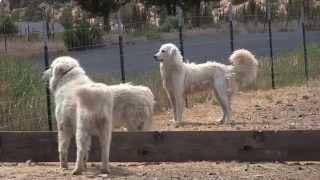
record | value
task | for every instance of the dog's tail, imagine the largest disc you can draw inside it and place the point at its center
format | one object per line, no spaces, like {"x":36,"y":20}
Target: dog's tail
{"x":245,"y":65}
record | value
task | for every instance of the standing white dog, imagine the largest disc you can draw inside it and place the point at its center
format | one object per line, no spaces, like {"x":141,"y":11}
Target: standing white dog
{"x":83,"y":108}
{"x":180,"y":79}
{"x":77,"y":95}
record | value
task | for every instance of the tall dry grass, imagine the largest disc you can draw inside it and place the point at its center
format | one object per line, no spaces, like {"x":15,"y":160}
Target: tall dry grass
{"x":23,"y":101}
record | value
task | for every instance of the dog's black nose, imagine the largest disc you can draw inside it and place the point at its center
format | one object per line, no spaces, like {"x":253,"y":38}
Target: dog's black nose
{"x":155,"y":57}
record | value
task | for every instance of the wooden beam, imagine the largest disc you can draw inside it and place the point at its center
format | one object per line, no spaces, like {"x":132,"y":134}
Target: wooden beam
{"x":173,"y":146}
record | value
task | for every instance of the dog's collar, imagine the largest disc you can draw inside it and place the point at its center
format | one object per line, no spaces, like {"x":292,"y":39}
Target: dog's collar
{"x":67,"y":71}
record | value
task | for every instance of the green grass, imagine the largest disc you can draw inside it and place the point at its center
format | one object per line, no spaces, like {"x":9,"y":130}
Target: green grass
{"x":23,"y":98}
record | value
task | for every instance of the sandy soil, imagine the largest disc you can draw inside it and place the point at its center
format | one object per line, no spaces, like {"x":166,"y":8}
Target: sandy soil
{"x":286,"y":108}
{"x":164,"y":171}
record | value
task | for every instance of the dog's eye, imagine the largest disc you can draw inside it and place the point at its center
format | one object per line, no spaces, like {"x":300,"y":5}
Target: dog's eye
{"x":163,"y":51}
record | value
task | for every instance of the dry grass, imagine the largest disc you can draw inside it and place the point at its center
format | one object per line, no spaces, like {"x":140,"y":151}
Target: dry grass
{"x":23,"y":48}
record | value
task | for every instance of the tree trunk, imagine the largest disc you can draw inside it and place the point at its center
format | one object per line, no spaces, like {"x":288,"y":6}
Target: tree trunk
{"x":196,"y":18}
{"x":106,"y":23}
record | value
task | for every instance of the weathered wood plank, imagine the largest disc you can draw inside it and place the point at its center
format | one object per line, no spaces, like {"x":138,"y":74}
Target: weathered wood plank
{"x":173,"y":146}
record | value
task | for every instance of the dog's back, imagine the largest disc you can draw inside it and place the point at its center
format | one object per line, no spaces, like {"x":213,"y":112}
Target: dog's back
{"x":133,"y":105}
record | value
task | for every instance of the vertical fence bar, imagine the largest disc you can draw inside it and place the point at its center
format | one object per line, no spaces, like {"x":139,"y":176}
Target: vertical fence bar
{"x":5,"y":43}
{"x":180,"y":24}
{"x":305,"y":53}
{"x":46,"y":63}
{"x":5,"y":39}
{"x":120,"y":29}
{"x":270,"y":43}
{"x":231,"y":26}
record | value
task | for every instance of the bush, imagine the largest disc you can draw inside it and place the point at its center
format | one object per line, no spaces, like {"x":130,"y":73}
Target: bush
{"x":169,"y":24}
{"x":7,"y":26}
{"x":82,"y":36}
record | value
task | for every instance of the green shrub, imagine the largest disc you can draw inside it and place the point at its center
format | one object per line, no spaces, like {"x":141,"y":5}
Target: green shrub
{"x":7,"y":25}
{"x":82,"y":36}
{"x":169,"y":24}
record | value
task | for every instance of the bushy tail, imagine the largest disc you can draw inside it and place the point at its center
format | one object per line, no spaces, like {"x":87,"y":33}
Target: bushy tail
{"x":245,"y":65}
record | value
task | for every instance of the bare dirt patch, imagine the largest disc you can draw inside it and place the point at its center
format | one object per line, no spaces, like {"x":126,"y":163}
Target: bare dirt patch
{"x":285,"y":108}
{"x":164,"y":171}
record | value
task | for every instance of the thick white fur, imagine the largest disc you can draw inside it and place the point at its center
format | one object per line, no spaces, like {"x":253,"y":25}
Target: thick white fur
{"x":72,"y":90}
{"x":133,"y":106}
{"x":180,"y":79}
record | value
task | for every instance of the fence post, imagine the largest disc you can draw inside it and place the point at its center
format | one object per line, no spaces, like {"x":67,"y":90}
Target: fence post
{"x":5,"y":39}
{"x":270,"y":43}
{"x":120,"y":29}
{"x":180,"y":24}
{"x":231,"y":26}
{"x":46,"y":63}
{"x":306,"y":66}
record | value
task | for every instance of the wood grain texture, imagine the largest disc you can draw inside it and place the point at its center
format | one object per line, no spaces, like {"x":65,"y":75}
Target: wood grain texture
{"x":172,"y":146}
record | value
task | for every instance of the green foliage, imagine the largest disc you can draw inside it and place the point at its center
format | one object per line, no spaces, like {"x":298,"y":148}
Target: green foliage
{"x":169,"y":24}
{"x":82,"y":36}
{"x":7,"y":25}
{"x":22,"y":95}
{"x":33,"y":12}
{"x":66,"y":18}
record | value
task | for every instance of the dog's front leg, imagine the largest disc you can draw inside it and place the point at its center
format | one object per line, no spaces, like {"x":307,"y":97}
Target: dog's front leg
{"x":64,"y":138}
{"x":105,"y":142}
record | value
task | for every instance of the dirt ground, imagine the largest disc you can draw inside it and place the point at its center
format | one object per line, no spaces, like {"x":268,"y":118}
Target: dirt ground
{"x":164,"y":171}
{"x":286,"y":108}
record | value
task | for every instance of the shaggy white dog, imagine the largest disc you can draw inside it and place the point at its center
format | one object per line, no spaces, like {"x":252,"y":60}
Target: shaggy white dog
{"x":132,"y":105}
{"x":83,"y":108}
{"x":180,"y":79}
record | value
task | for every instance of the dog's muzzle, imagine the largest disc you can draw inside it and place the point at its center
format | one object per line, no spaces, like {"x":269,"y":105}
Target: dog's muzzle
{"x":157,"y":59}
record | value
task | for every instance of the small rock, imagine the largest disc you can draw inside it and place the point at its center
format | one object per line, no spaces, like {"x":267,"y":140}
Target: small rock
{"x":292,"y":126}
{"x":301,"y":115}
{"x":211,"y":173}
{"x":305,"y":97}
{"x":275,"y":117}
{"x":289,"y":105}
{"x":103,"y":175}
{"x":279,"y":102}
{"x":300,"y":168}
{"x":29,"y":162}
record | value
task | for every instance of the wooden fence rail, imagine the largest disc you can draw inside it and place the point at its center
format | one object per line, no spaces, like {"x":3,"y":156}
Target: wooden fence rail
{"x":173,"y":146}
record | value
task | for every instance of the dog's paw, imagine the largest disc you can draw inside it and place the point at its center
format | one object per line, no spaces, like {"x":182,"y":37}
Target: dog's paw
{"x":105,"y":170}
{"x":76,"y":171}
{"x":64,"y":166}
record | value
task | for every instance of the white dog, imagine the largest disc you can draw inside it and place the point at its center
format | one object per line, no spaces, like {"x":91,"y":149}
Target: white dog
{"x":83,"y":108}
{"x":180,"y":79}
{"x":71,"y":86}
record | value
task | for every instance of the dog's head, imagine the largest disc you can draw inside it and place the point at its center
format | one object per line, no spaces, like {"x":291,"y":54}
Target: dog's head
{"x":59,"y":68}
{"x":166,"y":52}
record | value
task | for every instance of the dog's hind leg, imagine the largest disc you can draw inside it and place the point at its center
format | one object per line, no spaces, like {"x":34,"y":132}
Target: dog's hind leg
{"x":221,"y":91}
{"x":82,"y":141}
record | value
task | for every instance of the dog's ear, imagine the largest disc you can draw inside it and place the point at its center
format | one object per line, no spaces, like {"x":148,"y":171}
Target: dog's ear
{"x":60,"y":68}
{"x":173,"y":51}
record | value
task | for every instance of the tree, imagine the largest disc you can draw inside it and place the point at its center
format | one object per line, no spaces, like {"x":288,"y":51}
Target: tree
{"x":102,"y":8}
{"x":7,"y":26}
